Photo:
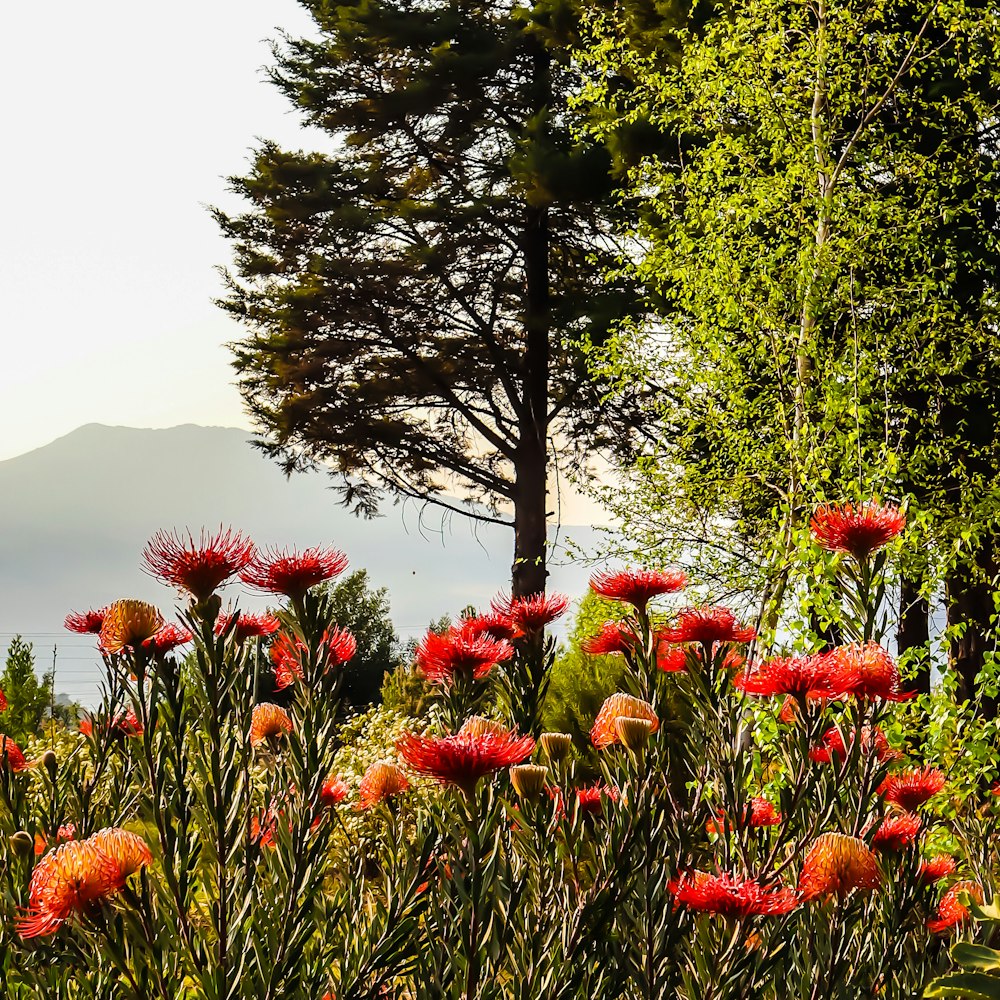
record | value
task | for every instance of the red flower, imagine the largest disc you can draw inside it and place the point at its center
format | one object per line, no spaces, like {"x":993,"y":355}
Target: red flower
{"x":380,"y":782}
{"x":937,"y":868}
{"x":896,"y":833}
{"x":491,"y":625}
{"x":197,"y":567}
{"x":801,"y":676}
{"x":859,"y":529}
{"x":334,"y":791}
{"x":614,"y":637}
{"x":637,"y":586}
{"x":293,"y":573}
{"x":458,"y":651}
{"x":911,"y":789}
{"x":759,"y":812}
{"x":836,"y":865}
{"x":590,"y":799}
{"x":337,"y":646}
{"x":708,"y":626}
{"x":11,"y":754}
{"x":68,"y":881}
{"x":871,"y":743}
{"x":730,"y":895}
{"x":531,"y":614}
{"x":3,"y":702}
{"x":85,"y":622}
{"x":619,"y":706}
{"x":951,"y":910}
{"x":670,"y":658}
{"x":868,"y":671}
{"x":462,"y":760}
{"x":124,"y":724}
{"x":268,"y":722}
{"x":168,"y":638}
{"x":247,"y":626}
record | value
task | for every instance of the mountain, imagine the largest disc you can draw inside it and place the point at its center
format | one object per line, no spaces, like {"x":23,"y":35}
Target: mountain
{"x":75,"y":515}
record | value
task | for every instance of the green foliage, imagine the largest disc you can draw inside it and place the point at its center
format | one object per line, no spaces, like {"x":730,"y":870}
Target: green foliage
{"x":981,"y":978}
{"x":364,"y":612}
{"x":28,"y":696}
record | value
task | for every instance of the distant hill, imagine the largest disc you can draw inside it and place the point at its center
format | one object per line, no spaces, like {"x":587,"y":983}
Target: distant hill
{"x":75,"y":515}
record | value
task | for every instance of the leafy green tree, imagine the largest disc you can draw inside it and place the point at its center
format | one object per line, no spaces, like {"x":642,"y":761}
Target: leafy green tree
{"x":28,"y":696}
{"x":823,"y":241}
{"x":364,"y":612}
{"x":422,"y":293}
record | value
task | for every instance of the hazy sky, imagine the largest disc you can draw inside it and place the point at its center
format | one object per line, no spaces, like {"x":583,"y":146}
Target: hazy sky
{"x":121,"y":121}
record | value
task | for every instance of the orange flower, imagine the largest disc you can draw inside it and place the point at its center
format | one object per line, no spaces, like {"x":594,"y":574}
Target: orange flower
{"x":129,"y":623}
{"x":868,"y":671}
{"x":68,"y":880}
{"x":836,"y":865}
{"x":759,"y":812}
{"x":334,"y":791}
{"x":128,"y":850}
{"x":478,"y":725}
{"x":937,"y":868}
{"x":268,"y":722}
{"x":619,"y":706}
{"x":380,"y":782}
{"x":951,"y":910}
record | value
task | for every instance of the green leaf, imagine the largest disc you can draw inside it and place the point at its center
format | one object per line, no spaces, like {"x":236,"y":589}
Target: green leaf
{"x":968,"y":985}
{"x":975,"y":956}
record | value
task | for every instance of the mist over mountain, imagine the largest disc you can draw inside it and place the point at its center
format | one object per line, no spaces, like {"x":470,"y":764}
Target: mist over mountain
{"x":75,"y":515}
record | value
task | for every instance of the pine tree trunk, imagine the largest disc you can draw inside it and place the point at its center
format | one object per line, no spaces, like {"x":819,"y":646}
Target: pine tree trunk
{"x":970,"y":604}
{"x":531,"y":464}
{"x":914,"y":629}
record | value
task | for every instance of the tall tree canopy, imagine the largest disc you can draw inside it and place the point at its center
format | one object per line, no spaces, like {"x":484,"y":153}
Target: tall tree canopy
{"x":824,"y":239}
{"x":421,"y":293}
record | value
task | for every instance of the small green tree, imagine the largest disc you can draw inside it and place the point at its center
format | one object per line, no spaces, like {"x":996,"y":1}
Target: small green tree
{"x":28,"y":697}
{"x":364,"y":611}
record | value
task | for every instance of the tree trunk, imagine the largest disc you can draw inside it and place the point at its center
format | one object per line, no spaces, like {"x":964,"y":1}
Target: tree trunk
{"x":531,"y":463}
{"x":914,"y":630}
{"x":970,"y":604}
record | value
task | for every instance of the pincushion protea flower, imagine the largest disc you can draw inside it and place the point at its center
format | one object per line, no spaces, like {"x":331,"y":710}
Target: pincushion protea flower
{"x":478,"y":725}
{"x":531,"y":614}
{"x":951,"y":909}
{"x":671,"y":658}
{"x":873,"y":741}
{"x":85,"y":622}
{"x":637,"y":586}
{"x":127,"y":624}
{"x":268,"y":722}
{"x":246,"y":626}
{"x":11,"y":754}
{"x":462,"y":760}
{"x":869,"y":669}
{"x":128,"y":850}
{"x":333,"y":791}
{"x":896,"y":833}
{"x":125,"y":723}
{"x":837,"y":864}
{"x":459,"y":652}
{"x":491,"y":625}
{"x":292,"y":573}
{"x":708,"y":626}
{"x":167,"y":639}
{"x":3,"y":702}
{"x":799,"y":676}
{"x":859,"y":529}
{"x":380,"y":782}
{"x":937,"y":868}
{"x":337,"y":647}
{"x":758,"y":812}
{"x":614,"y":637}
{"x":731,"y":895}
{"x":619,"y":706}
{"x":911,"y":789}
{"x":590,"y":799}
{"x":65,"y":882}
{"x":198,"y":567}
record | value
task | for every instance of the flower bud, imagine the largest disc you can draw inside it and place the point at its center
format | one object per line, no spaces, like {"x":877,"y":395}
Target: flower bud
{"x":50,"y":762}
{"x":22,"y":843}
{"x":555,"y":745}
{"x":528,"y":779}
{"x":634,"y":733}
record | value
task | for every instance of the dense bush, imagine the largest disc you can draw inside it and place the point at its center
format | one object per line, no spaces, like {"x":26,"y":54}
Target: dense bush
{"x":763,"y":825}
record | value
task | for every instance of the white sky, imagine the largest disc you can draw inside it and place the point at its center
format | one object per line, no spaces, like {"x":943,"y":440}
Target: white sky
{"x":121,"y":121}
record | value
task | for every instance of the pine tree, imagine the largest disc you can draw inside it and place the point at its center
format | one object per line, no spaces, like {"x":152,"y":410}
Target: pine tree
{"x":422,"y":293}
{"x":28,"y":697}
